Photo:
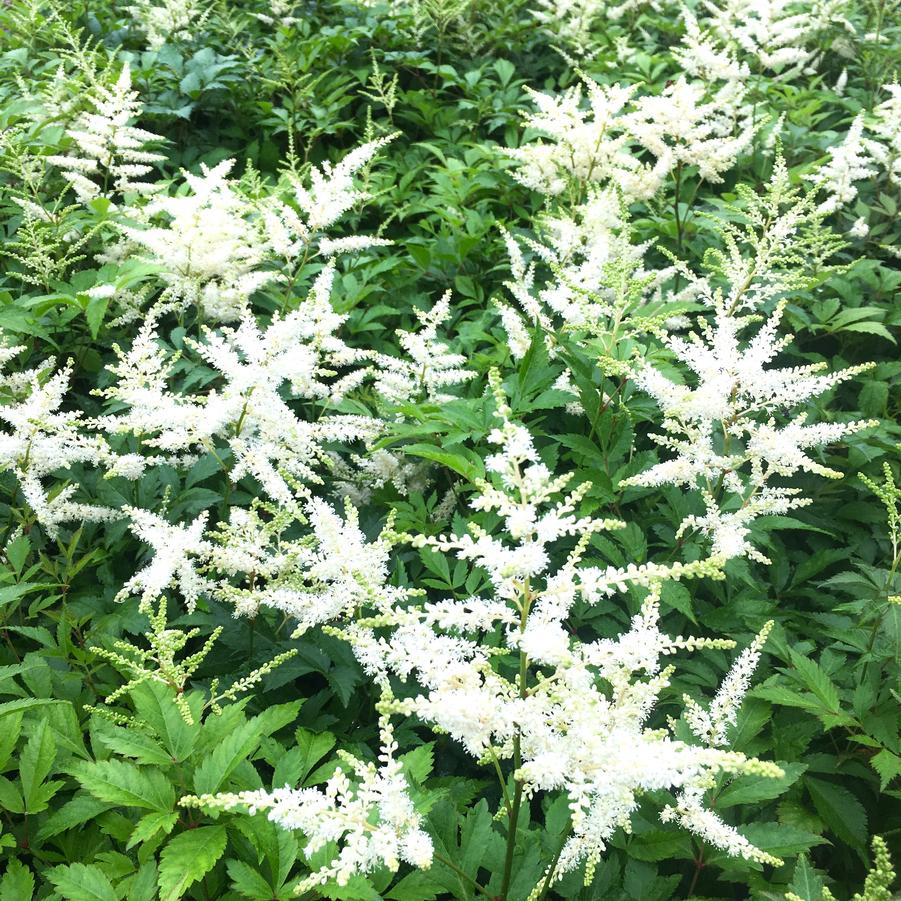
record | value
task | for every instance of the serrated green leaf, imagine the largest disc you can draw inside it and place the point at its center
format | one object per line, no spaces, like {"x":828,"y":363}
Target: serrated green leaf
{"x":126,"y":785}
{"x":221,"y":762}
{"x":806,"y":882}
{"x":35,"y":765}
{"x":247,"y":881}
{"x":81,"y":809}
{"x":149,"y":825}
{"x":17,"y":883}
{"x":754,"y":789}
{"x":82,"y":882}
{"x":187,"y":858}
{"x":840,"y":810}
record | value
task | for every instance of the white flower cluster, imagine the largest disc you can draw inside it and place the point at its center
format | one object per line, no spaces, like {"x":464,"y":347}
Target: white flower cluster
{"x":872,"y":144}
{"x":848,"y":163}
{"x":246,"y":410}
{"x":780,"y":35}
{"x":571,"y":715}
{"x":599,"y":284}
{"x":364,"y":808}
{"x":39,"y":439}
{"x":587,"y":144}
{"x":885,"y":134}
{"x":729,"y":428}
{"x":109,"y":146}
{"x":163,"y":21}
{"x":208,"y":252}
{"x":361,"y":474}
{"x":572,"y":21}
{"x":428,"y":367}
{"x":214,"y":247}
{"x":249,"y":562}
{"x":691,"y":123}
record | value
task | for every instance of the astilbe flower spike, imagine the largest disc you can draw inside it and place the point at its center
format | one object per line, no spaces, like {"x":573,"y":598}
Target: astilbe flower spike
{"x":38,"y":438}
{"x":571,"y":717}
{"x":731,"y":431}
{"x":110,"y":147}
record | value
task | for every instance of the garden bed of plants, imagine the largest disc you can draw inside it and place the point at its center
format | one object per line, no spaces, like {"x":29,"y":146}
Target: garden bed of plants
{"x":449,"y":449}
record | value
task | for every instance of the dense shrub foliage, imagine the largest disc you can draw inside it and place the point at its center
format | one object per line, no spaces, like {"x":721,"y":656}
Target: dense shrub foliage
{"x":449,"y":449}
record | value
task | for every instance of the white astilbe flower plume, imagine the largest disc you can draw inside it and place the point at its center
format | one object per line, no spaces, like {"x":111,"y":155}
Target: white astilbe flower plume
{"x":246,"y":410}
{"x":209,"y":247}
{"x":702,"y":56}
{"x":178,"y":551}
{"x":323,"y":576}
{"x":712,"y":724}
{"x":570,"y":20}
{"x":599,"y":285}
{"x":360,"y":474}
{"x":428,"y":367}
{"x":364,"y":808}
{"x":330,"y":194}
{"x":572,"y":716}
{"x":38,"y":438}
{"x":164,"y":21}
{"x":731,"y":429}
{"x":849,"y":162}
{"x":688,"y":126}
{"x":585,"y":144}
{"x":730,"y":433}
{"x":214,"y":245}
{"x":109,"y":147}
{"x":779,"y":35}
{"x":884,"y":128}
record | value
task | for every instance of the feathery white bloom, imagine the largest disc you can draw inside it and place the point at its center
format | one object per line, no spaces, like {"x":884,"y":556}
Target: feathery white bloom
{"x":579,"y":726}
{"x":780,"y":35}
{"x":683,"y":126}
{"x":849,"y":162}
{"x":884,"y":126}
{"x":598,"y":276}
{"x":729,"y":429}
{"x":712,"y":725}
{"x":168,"y":20}
{"x":587,"y":144}
{"x":39,"y":438}
{"x":570,"y":20}
{"x":177,"y":549}
{"x":214,"y":246}
{"x":332,"y":191}
{"x":110,"y":147}
{"x":364,"y":808}
{"x":429,"y":366}
{"x":247,"y":410}
{"x":209,"y":249}
{"x":702,"y":56}
{"x":860,"y":228}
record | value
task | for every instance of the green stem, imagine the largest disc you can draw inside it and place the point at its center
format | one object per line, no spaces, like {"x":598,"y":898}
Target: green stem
{"x":517,"y":751}
{"x":549,"y":875}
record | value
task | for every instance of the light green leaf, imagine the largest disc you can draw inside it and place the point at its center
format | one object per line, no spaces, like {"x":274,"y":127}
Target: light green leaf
{"x":753,"y":789}
{"x":17,"y":883}
{"x":149,"y":825}
{"x":35,"y":765}
{"x":189,"y":857}
{"x":82,"y":882}
{"x":126,"y":785}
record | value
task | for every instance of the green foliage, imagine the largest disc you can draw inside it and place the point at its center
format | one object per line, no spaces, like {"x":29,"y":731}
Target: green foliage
{"x":108,"y":715}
